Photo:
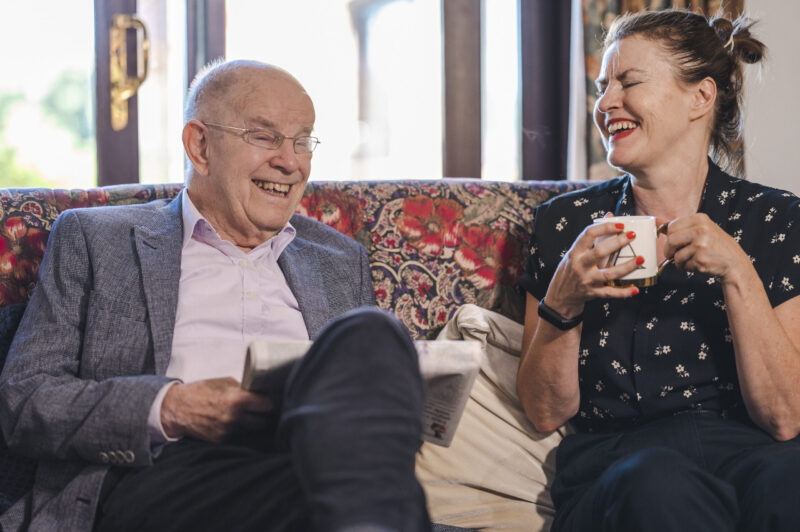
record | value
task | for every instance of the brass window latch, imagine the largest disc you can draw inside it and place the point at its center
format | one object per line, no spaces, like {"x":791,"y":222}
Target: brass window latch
{"x":122,"y":86}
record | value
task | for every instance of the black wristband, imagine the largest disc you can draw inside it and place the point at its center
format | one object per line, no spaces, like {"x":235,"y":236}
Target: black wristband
{"x":556,"y":319}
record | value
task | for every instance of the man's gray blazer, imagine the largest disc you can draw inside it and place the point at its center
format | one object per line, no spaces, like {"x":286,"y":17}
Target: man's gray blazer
{"x":91,"y":351}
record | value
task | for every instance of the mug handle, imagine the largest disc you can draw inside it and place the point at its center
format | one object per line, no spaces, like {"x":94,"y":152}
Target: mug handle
{"x":662,"y":230}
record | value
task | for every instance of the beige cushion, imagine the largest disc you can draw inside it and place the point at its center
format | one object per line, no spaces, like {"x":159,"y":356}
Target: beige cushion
{"x":496,"y":473}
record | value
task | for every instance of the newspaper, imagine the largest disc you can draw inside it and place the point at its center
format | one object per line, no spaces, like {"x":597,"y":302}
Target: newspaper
{"x":448,"y":368}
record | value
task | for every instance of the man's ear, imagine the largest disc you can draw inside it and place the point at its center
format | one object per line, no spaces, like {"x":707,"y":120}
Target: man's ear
{"x":195,"y":143}
{"x":704,"y":96}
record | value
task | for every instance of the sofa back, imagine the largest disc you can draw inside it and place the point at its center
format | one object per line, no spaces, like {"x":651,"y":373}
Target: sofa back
{"x":433,"y":245}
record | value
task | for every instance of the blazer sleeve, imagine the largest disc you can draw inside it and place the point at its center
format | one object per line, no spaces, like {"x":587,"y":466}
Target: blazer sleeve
{"x":51,"y":404}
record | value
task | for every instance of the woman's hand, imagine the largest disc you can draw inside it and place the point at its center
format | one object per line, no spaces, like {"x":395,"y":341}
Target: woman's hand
{"x":581,"y":275}
{"x":697,"y":244}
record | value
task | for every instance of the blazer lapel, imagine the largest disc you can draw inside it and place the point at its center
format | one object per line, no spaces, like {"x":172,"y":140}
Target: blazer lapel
{"x":301,"y":268}
{"x":159,"y":243}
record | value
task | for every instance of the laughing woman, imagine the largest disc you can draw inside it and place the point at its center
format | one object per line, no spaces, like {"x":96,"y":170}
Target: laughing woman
{"x":683,"y":395}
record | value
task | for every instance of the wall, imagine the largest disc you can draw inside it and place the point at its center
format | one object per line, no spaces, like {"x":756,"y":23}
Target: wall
{"x":772,"y":113}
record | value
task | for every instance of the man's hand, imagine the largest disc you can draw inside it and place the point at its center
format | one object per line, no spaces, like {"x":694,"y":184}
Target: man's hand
{"x":212,"y":410}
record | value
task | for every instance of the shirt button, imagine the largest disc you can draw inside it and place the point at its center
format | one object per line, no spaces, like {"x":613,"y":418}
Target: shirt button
{"x":129,"y":456}
{"x":243,"y":263}
{"x":104,"y":457}
{"x":251,"y":293}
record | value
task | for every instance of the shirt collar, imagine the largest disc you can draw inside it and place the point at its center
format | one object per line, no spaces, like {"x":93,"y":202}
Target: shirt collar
{"x":195,"y":226}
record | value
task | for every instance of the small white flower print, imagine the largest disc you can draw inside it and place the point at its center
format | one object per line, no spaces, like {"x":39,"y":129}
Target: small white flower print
{"x":597,"y":214}
{"x":669,"y":294}
{"x":662,"y":350}
{"x":786,"y":284}
{"x":720,"y":304}
{"x":638,"y":396}
{"x":770,"y":214}
{"x":580,"y":201}
{"x":562,"y":223}
{"x":651,"y":323}
{"x":737,"y":235}
{"x":687,"y":326}
{"x":618,"y":368}
{"x":703,"y":353}
{"x":599,"y":386}
{"x":751,"y":199}
{"x":780,"y":237}
{"x":665,"y":391}
{"x":796,"y":259}
{"x":727,"y":335}
{"x":681,"y":371}
{"x":603,"y":338}
{"x":688,"y":299}
{"x":637,"y":368}
{"x":735,"y":216}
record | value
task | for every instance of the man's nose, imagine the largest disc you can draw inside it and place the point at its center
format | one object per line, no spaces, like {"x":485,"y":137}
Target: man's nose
{"x":285,"y":157}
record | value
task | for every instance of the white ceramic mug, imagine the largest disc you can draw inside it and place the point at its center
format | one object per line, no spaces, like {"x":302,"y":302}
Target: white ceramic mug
{"x":644,"y":245}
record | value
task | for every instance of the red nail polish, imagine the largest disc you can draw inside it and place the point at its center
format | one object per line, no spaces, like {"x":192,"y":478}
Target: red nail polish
{"x":634,"y":291}
{"x":619,"y":226}
{"x":631,"y":235}
{"x":639,"y":260}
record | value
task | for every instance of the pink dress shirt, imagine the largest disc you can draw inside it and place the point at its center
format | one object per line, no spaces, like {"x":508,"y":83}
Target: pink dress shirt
{"x":226,"y":298}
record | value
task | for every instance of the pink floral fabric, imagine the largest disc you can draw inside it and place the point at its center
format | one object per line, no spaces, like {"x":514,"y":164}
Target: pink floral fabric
{"x":433,"y":245}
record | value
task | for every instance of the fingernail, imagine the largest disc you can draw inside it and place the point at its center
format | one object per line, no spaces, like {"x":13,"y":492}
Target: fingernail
{"x":631,"y":235}
{"x":619,"y":226}
{"x":634,"y":291}
{"x":639,"y":260}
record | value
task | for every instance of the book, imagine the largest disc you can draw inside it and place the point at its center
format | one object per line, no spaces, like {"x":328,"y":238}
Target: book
{"x":448,"y":369}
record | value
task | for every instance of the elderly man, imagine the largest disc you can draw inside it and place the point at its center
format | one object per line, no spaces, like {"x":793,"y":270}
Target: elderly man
{"x":122,"y":376}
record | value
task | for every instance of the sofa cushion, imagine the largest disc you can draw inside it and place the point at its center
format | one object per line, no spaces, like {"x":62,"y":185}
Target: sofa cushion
{"x":497,"y":472}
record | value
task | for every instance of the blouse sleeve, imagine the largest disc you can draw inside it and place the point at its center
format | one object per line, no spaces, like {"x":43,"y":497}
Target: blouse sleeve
{"x":785,"y":282}
{"x":535,"y":278}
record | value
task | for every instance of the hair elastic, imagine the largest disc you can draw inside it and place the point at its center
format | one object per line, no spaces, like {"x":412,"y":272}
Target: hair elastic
{"x":729,"y":43}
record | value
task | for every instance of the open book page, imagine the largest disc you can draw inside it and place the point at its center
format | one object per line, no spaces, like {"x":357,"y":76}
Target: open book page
{"x":448,"y":368}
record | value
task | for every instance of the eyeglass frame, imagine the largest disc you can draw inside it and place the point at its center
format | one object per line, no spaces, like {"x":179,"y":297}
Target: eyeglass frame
{"x":245,"y":135}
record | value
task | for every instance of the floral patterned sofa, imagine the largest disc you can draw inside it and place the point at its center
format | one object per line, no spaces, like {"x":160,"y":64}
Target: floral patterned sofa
{"x":433,"y":246}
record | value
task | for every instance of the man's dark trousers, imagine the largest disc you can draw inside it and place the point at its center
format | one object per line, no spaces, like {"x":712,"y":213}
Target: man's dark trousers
{"x":342,"y":456}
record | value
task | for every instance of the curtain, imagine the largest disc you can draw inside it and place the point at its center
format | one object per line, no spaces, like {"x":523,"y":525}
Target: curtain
{"x":598,"y":15}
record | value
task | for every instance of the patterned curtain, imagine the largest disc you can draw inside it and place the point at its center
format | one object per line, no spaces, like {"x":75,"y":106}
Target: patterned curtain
{"x":598,"y":15}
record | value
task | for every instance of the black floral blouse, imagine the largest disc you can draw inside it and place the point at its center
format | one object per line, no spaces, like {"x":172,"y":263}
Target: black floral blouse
{"x":668,"y":348}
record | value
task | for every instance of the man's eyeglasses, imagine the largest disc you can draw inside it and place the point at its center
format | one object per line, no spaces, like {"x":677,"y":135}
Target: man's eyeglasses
{"x":269,"y":140}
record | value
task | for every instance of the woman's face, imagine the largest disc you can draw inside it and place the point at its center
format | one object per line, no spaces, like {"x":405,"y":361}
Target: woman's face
{"x":642,"y":110}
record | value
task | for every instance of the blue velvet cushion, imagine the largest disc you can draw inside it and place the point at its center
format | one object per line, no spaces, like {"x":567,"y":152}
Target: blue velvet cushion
{"x":16,"y":473}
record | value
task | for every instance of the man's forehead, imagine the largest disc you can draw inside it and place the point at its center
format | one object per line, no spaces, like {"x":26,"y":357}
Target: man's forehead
{"x":271,"y":99}
{"x":267,"y":122}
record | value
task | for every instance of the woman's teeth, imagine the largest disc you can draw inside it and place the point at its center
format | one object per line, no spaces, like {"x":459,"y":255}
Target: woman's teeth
{"x":618,"y":126}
